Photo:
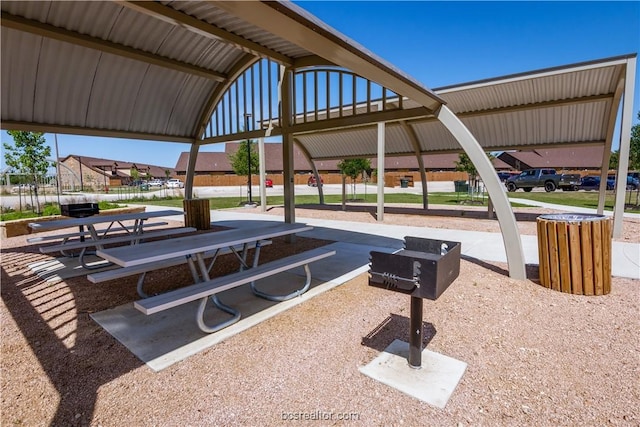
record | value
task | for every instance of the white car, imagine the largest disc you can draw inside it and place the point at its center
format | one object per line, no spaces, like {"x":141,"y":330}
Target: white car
{"x":156,"y":183}
{"x":175,"y":183}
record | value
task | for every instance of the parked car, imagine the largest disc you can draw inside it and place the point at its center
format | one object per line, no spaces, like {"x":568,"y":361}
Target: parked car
{"x":138,"y":183}
{"x":311,"y":182}
{"x":144,"y":185}
{"x":503,"y":176}
{"x":268,"y":183}
{"x":22,"y":188}
{"x":632,"y":183}
{"x":175,"y":183}
{"x":592,"y":182}
{"x":547,"y":178}
{"x":156,"y":183}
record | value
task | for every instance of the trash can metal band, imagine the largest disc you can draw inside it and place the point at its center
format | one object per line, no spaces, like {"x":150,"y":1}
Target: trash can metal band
{"x":574,"y":253}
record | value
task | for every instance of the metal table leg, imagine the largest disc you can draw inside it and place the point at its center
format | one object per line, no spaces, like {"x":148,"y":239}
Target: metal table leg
{"x":214,"y":299}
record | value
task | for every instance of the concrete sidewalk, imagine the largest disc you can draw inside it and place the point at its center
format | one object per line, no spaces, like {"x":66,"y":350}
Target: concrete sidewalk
{"x":365,"y":237}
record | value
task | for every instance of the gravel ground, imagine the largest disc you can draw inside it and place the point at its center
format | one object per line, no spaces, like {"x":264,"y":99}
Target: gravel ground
{"x":535,"y":356}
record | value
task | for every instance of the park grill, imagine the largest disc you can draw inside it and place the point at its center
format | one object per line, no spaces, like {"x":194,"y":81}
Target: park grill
{"x":79,"y":210}
{"x":423,"y":269}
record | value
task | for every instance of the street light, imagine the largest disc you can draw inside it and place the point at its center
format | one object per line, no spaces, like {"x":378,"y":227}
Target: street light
{"x":247,"y":116}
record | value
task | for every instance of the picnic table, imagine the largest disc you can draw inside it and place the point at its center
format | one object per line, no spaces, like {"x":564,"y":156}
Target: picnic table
{"x":116,"y":231}
{"x":194,"y":248}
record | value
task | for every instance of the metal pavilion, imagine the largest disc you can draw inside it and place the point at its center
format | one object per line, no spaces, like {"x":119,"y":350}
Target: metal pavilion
{"x":204,"y":72}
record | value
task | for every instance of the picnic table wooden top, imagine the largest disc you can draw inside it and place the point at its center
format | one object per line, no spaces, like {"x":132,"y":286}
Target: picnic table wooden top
{"x":143,"y":253}
{"x":97,"y":219}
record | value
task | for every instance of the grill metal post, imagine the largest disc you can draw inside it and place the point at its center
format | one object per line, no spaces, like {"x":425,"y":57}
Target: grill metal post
{"x":415,"y":340}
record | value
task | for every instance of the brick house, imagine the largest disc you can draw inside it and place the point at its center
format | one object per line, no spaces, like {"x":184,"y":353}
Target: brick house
{"x":214,"y":168}
{"x":94,"y":173}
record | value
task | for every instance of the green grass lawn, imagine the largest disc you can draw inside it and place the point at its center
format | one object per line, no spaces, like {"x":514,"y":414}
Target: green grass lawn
{"x":584,"y":199}
{"x":234,"y":202}
{"x":569,"y":198}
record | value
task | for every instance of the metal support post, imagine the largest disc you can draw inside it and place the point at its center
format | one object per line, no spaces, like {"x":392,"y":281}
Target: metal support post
{"x":415,"y":338}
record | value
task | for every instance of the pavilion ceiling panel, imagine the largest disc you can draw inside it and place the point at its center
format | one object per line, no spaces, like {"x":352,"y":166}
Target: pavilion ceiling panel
{"x":433,"y":136}
{"x":347,"y":143}
{"x":18,"y":94}
{"x":204,"y":11}
{"x":530,"y":90}
{"x":396,"y":140}
{"x":561,"y":124}
{"x":166,"y":101}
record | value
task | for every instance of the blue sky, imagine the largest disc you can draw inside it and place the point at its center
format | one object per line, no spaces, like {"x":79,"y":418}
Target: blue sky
{"x":440,"y":44}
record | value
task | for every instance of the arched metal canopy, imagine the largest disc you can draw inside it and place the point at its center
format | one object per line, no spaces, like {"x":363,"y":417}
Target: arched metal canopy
{"x":149,"y":69}
{"x":157,"y":70}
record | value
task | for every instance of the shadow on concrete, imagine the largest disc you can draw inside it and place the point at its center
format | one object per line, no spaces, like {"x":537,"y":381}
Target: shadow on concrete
{"x":396,"y":327}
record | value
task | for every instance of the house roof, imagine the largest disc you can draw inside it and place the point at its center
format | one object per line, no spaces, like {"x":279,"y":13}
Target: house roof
{"x":100,"y":164}
{"x":559,"y":158}
{"x":219,"y":161}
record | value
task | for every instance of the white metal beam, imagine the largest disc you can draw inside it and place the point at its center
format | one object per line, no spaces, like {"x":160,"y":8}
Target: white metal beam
{"x":625,"y":141}
{"x":506,"y":218}
{"x":381,"y":145}
{"x":263,"y":175}
{"x":191,"y":170}
{"x":319,"y":39}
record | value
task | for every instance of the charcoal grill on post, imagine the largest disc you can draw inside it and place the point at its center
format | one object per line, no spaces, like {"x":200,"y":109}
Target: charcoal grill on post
{"x":80,"y":210}
{"x":423,"y":269}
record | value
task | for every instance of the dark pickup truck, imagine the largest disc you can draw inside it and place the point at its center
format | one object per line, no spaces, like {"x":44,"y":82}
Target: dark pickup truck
{"x":547,"y":178}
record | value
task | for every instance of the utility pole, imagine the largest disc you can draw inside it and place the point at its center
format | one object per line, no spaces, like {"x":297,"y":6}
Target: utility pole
{"x":247,"y":116}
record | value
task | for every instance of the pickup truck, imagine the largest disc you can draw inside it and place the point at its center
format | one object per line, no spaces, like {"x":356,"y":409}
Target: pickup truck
{"x":547,"y":178}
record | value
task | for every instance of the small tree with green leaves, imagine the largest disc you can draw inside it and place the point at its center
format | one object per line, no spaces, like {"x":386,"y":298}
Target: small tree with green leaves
{"x":613,"y":159}
{"x":135,"y":174}
{"x":240,"y":160}
{"x":167,"y":174}
{"x":352,"y":168}
{"x":28,"y":155}
{"x":464,"y":164}
{"x":634,"y":148}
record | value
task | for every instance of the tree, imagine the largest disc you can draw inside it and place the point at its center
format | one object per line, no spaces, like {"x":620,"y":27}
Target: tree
{"x":28,"y":155}
{"x":352,"y":168}
{"x":239,"y":161}
{"x":135,"y":174}
{"x":634,"y":148}
{"x":614,"y":159}
{"x":464,"y":164}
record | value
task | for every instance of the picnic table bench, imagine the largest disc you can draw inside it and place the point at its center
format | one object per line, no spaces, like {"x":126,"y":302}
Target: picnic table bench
{"x":66,"y":236}
{"x":193,"y":249}
{"x":91,"y":237}
{"x":143,"y":269}
{"x":204,"y":290}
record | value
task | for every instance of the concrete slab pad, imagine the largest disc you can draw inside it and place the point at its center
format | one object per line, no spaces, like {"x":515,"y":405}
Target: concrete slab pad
{"x":165,"y":338}
{"x":433,"y":383}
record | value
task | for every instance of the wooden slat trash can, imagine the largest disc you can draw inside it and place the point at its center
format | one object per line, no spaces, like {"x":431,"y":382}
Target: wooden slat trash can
{"x":575,"y":253}
{"x":197,"y":213}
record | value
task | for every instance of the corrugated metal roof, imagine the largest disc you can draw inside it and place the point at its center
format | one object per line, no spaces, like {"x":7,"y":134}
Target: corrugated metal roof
{"x":564,"y":105}
{"x":150,"y":69}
